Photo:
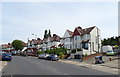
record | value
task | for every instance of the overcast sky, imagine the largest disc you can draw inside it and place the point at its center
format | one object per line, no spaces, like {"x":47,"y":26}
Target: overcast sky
{"x":21,"y":19}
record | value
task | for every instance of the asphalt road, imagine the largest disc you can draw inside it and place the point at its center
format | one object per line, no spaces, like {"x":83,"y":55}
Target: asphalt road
{"x":34,"y":66}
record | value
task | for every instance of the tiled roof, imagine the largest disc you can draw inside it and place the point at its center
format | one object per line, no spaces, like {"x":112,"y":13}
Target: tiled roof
{"x":56,"y":38}
{"x":88,"y":30}
{"x":38,"y":41}
{"x":70,"y":32}
{"x":80,"y":31}
{"x":45,"y":39}
{"x":6,"y":46}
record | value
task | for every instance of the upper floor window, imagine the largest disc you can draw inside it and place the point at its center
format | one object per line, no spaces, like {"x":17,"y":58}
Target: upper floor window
{"x":86,"y":36}
{"x":77,"y":38}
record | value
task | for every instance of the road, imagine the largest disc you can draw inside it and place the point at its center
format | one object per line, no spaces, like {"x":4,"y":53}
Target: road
{"x":33,"y":66}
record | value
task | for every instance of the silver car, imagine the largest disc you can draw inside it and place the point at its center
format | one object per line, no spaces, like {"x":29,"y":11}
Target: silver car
{"x":43,"y":56}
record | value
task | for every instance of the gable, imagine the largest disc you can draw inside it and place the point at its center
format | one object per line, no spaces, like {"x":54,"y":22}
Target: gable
{"x":66,"y":34}
{"x":76,"y":32}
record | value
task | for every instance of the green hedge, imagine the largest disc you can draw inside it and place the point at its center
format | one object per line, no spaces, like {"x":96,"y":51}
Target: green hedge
{"x":61,"y":52}
{"x":40,"y":52}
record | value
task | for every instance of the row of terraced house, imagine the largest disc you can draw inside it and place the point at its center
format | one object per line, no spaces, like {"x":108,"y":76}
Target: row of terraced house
{"x":83,"y":41}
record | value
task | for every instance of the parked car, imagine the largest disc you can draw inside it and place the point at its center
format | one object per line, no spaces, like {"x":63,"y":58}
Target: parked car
{"x":106,"y":48}
{"x":14,"y":53}
{"x":43,"y":56}
{"x":112,"y":53}
{"x":1,"y":52}
{"x":6,"y":56}
{"x":52,"y":57}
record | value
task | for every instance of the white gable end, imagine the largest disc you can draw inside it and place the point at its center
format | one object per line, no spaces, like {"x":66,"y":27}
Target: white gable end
{"x":66,"y":34}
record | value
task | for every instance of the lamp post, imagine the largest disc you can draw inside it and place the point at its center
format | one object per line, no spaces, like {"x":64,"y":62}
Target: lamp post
{"x":34,"y":35}
{"x":35,"y":43}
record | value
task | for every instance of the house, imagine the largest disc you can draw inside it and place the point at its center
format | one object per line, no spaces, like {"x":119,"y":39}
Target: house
{"x":33,"y":45}
{"x":6,"y":47}
{"x":83,"y":41}
{"x":86,"y":40}
{"x":66,"y":40}
{"x":51,"y":42}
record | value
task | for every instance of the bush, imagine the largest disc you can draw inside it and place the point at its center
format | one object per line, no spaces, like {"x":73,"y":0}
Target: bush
{"x":61,"y":52}
{"x":40,"y":52}
{"x":73,"y":51}
{"x":85,"y":55}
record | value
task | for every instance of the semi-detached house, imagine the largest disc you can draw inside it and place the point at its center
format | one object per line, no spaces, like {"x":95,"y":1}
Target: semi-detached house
{"x":83,"y":41}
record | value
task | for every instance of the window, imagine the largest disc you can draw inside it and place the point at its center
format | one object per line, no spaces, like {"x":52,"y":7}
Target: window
{"x":77,"y":38}
{"x":97,"y":40}
{"x":75,"y":45}
{"x":85,"y":45}
{"x":78,"y":45}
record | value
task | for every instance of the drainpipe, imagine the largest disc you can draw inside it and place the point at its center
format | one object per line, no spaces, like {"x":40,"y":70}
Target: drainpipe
{"x":98,"y":40}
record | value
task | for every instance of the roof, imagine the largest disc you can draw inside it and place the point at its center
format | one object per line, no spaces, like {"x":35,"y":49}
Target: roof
{"x":56,"y":38}
{"x":6,"y":46}
{"x":45,"y":39}
{"x":88,"y":30}
{"x":79,"y":31}
{"x":38,"y":41}
{"x":70,"y":32}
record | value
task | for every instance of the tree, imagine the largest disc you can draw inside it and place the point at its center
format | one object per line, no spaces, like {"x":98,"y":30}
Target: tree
{"x":17,"y":44}
{"x":45,"y":34}
{"x":110,"y":41}
{"x":49,"y":33}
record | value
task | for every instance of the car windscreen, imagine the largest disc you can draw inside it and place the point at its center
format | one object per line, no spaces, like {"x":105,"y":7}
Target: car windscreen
{"x":109,"y":51}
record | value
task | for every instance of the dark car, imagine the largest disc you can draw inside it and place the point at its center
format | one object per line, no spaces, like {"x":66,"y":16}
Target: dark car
{"x":14,"y":53}
{"x":52,"y":57}
{"x":6,"y":57}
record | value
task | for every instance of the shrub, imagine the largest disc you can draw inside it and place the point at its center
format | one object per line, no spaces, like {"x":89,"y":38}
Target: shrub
{"x":73,"y":51}
{"x":85,"y":55}
{"x":40,"y":52}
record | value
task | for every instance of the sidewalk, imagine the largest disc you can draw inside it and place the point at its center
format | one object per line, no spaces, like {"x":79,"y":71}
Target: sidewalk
{"x":100,"y":67}
{"x":2,"y":64}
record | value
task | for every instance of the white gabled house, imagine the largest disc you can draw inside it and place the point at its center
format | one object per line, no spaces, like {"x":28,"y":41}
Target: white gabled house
{"x":87,"y":40}
{"x":33,"y":45}
{"x":50,"y":42}
{"x":84,"y":41}
{"x":66,"y":40}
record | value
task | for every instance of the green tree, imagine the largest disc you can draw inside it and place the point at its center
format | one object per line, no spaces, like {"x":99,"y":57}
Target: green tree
{"x":17,"y":44}
{"x":45,"y":34}
{"x":49,"y":33}
{"x":110,"y":41}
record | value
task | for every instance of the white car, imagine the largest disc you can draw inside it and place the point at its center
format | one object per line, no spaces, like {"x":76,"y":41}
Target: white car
{"x":43,"y":56}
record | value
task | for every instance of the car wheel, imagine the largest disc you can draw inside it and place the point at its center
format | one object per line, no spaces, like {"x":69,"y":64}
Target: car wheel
{"x":51,"y":59}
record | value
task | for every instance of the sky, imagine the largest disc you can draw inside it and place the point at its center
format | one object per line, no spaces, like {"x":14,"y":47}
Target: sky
{"x":20,"y":20}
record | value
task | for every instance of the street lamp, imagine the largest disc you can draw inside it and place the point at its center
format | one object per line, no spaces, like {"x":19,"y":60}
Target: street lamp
{"x":34,"y":35}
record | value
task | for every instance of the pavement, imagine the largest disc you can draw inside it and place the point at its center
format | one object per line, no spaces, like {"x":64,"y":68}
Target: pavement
{"x":108,"y":66}
{"x":34,"y":66}
{"x":2,"y":64}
